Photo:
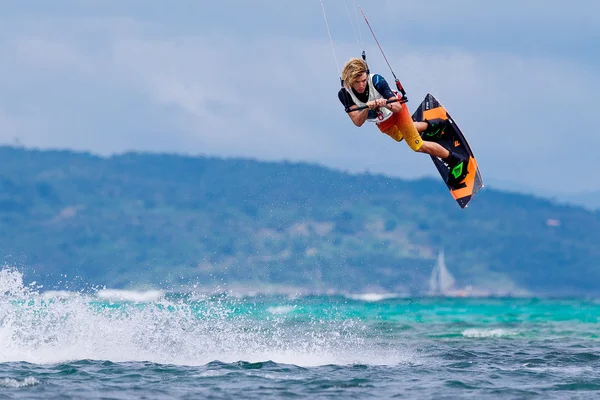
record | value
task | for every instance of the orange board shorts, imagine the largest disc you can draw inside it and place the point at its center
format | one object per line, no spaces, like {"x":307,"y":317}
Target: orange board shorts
{"x":401,"y":126}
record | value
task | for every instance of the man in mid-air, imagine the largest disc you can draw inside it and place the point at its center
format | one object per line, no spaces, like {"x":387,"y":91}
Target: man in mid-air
{"x":361,"y":89}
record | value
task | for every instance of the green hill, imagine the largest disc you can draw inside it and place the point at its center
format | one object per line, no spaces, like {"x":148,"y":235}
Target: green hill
{"x":166,"y":220}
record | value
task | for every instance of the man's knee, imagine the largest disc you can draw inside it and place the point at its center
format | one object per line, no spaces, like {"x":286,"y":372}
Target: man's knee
{"x":420,"y":126}
{"x":417,"y":145}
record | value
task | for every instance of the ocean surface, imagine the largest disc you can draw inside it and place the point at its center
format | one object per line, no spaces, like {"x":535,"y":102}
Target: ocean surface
{"x":132,"y":345}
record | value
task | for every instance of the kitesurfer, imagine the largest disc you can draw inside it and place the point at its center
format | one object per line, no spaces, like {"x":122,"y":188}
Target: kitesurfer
{"x":363,"y":89}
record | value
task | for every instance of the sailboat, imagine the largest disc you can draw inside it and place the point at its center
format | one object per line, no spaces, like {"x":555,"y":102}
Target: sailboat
{"x":441,"y":282}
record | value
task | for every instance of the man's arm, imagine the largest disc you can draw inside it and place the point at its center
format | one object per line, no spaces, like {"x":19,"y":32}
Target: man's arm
{"x":383,"y":88}
{"x":359,"y":117}
{"x":394,"y":107}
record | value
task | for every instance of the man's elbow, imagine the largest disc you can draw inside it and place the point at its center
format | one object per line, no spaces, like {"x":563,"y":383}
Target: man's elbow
{"x":358,"y":123}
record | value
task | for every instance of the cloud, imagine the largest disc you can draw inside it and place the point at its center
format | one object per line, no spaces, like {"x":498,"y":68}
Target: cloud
{"x":109,"y":77}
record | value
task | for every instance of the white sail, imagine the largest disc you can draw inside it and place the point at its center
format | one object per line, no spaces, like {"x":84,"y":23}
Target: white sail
{"x":433,"y":281}
{"x":445,"y":279}
{"x":441,"y":280}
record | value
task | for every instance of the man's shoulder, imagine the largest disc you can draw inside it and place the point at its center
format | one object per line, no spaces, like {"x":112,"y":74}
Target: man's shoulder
{"x":381,"y":85}
{"x":343,"y":94}
{"x":345,"y":98}
{"x":378,"y":80}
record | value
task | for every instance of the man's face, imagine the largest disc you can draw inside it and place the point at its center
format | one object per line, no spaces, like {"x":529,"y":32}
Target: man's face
{"x":360,"y":84}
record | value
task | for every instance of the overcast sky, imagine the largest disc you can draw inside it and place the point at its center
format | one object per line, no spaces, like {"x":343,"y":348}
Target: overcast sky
{"x":258,"y":79}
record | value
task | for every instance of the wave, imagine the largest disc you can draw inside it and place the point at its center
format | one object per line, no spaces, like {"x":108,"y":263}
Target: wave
{"x":16,"y":383}
{"x":130,"y":295}
{"x":59,"y":294}
{"x":281,"y":309}
{"x":147,"y":326}
{"x":488,"y":333}
{"x":374,"y":297}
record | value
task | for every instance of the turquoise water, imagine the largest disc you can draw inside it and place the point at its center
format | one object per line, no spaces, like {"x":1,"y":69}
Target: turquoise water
{"x":129,"y":345}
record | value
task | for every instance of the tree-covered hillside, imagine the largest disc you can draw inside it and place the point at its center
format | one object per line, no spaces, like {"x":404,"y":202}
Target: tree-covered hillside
{"x":165,"y":219}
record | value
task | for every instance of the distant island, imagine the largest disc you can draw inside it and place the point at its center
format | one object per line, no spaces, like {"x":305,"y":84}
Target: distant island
{"x":171,"y":221}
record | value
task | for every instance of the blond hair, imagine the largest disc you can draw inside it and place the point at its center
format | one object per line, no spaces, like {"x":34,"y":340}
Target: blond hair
{"x":353,"y":70}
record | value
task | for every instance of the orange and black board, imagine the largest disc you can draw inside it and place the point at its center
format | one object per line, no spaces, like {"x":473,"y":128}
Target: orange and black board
{"x":451,"y":138}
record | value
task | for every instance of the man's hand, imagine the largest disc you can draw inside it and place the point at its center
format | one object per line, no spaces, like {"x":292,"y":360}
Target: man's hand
{"x":374,"y":104}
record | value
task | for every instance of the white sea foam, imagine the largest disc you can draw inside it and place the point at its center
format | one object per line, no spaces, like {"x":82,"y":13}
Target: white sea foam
{"x":373,"y":297}
{"x":59,"y":294}
{"x":11,"y":284}
{"x":130,"y":295}
{"x":15,"y":383}
{"x":37,"y":329}
{"x":281,"y":309}
{"x":487,"y":333}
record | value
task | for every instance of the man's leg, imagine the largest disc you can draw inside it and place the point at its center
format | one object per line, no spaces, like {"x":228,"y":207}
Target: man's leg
{"x":421,"y":126}
{"x":431,"y":148}
{"x":434,"y":149}
{"x":458,"y":164}
{"x":394,"y":128}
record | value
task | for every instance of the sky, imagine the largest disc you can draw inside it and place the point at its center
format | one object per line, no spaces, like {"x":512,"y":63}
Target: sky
{"x":258,"y":79}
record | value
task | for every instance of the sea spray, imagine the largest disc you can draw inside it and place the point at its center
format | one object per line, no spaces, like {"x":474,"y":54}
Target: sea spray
{"x":42,"y":329}
{"x":154,"y":343}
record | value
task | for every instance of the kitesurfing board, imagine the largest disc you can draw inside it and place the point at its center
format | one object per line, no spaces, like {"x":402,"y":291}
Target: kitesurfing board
{"x":451,"y":138}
